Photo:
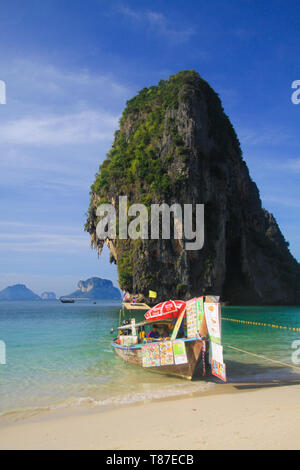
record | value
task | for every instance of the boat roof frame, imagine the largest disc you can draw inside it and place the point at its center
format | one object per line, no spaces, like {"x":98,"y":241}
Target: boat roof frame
{"x":136,"y":306}
{"x":143,"y":323}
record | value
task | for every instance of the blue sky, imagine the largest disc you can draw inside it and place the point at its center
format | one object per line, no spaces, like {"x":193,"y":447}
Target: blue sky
{"x":70,"y":66}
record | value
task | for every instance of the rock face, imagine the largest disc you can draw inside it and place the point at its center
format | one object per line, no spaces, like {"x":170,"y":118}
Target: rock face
{"x":176,"y":145}
{"x":48,"y":296}
{"x":18,"y":292}
{"x":96,"y":288}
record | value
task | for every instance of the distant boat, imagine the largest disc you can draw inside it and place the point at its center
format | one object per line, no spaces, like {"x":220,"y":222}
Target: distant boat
{"x":67,"y":301}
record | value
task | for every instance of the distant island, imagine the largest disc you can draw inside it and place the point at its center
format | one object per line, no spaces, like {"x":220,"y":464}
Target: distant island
{"x":95,"y":288}
{"x":48,"y":296}
{"x":18,"y":292}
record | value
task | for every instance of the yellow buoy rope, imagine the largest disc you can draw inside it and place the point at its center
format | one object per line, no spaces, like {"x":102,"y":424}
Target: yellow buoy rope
{"x":254,"y":323}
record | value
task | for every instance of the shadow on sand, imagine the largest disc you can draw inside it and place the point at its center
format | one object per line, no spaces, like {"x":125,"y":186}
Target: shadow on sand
{"x":251,"y":375}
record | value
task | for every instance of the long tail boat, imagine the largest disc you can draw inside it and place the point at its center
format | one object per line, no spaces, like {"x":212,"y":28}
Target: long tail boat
{"x":177,"y":355}
{"x":190,"y":370}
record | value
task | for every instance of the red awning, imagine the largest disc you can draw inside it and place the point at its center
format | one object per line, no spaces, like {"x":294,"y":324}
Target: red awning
{"x":166,"y":310}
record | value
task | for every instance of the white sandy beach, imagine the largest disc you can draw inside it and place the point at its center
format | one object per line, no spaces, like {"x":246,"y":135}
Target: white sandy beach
{"x":263,"y":418}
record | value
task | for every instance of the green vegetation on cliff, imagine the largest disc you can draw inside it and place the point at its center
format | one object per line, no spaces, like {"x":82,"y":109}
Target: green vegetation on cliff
{"x":135,"y":159}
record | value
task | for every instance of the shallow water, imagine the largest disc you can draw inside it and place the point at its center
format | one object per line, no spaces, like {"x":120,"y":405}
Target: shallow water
{"x":59,"y":355}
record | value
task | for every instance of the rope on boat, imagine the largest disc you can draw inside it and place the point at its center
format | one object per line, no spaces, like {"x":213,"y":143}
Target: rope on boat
{"x":263,"y":357}
{"x":254,"y":323}
{"x":203,"y":358}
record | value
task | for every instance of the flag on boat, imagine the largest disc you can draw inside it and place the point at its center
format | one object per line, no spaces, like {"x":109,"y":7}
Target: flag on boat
{"x":166,"y":310}
{"x":152,"y":294}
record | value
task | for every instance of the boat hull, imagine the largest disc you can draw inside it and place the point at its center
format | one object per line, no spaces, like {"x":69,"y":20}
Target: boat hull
{"x":188,"y":371}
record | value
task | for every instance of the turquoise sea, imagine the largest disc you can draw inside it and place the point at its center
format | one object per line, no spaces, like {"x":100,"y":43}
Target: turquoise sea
{"x":59,"y":356}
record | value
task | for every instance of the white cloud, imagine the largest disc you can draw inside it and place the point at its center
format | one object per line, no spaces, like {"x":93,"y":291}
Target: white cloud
{"x":263,"y":136}
{"x":277,"y":165}
{"x":42,"y":244}
{"x":158,"y":23}
{"x":56,"y":122}
{"x":292,"y":165}
{"x":27,"y":237}
{"x":27,"y":226}
{"x":54,"y":131}
{"x":84,"y":127}
{"x":266,"y":135}
{"x":34,"y":82}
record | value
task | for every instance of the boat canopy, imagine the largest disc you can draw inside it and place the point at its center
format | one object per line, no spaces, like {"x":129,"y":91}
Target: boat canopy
{"x":166,"y":310}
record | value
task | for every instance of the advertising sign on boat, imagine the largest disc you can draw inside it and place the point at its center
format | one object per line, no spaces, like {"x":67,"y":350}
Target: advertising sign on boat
{"x":213,"y":321}
{"x":179,"y":351}
{"x":217,"y":352}
{"x":191,"y":318}
{"x":194,"y":316}
{"x":219,"y":370}
{"x":200,"y":311}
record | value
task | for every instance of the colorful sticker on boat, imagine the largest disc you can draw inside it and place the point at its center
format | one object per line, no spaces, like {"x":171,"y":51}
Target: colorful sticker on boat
{"x":151,"y":355}
{"x":166,"y":353}
{"x":179,"y":351}
{"x":219,"y":370}
{"x":213,"y":321}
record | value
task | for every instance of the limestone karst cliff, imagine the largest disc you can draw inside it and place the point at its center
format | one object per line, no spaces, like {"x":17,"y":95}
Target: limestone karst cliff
{"x":96,"y":288}
{"x":176,"y":145}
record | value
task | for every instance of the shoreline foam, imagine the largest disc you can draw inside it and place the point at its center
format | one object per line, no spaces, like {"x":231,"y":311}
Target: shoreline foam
{"x":165,"y":392}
